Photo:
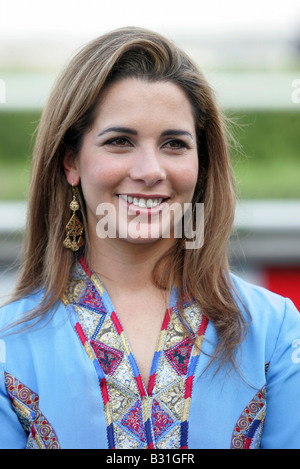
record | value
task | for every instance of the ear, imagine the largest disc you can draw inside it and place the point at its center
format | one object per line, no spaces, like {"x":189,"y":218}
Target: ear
{"x":71,"y":168}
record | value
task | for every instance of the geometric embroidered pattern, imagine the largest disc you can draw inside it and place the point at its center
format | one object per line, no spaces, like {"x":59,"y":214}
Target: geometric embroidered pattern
{"x":108,"y":357}
{"x":25,"y":402}
{"x":137,"y":416}
{"x":133,"y":419}
{"x":161,"y":419}
{"x":178,"y":356}
{"x":91,"y":298}
{"x":248,"y":429}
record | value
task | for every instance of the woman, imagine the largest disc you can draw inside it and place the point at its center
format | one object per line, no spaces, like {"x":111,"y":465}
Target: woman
{"x":123,"y":336}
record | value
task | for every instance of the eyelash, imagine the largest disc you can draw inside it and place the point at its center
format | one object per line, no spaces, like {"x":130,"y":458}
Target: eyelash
{"x":179,"y":142}
{"x":113,"y":141}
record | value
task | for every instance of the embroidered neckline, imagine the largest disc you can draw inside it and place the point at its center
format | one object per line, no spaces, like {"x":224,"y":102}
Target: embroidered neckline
{"x":136,"y":417}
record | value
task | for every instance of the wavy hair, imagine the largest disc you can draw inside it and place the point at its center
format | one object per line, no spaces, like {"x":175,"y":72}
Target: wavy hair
{"x":69,"y":113}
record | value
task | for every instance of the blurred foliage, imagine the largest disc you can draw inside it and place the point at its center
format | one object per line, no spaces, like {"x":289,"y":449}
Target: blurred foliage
{"x":16,"y":134}
{"x":267,"y":164}
{"x":16,"y":143}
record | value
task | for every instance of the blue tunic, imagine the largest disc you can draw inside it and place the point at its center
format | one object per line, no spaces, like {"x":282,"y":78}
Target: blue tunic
{"x":72,"y":382}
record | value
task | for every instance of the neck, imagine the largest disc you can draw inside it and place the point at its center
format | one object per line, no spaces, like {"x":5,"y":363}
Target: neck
{"x":127,"y":265}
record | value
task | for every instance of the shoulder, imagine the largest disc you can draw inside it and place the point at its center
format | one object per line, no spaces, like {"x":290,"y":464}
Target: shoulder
{"x":255,"y":297}
{"x":272,"y":316}
{"x":261,"y":303}
{"x":15,"y":311}
{"x":24,"y":343}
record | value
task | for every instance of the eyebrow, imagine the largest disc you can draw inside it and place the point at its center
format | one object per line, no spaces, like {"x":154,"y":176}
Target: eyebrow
{"x":127,"y":130}
{"x":177,"y":133}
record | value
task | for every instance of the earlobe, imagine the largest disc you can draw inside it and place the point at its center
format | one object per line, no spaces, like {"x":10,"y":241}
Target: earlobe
{"x":71,"y":168}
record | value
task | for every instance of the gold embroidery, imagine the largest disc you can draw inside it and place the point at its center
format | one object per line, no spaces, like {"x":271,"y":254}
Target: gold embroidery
{"x":135,"y":418}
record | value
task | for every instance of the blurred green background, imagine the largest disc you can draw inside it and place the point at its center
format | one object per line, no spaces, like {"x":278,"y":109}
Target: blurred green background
{"x":267,"y":164}
{"x":250,"y":54}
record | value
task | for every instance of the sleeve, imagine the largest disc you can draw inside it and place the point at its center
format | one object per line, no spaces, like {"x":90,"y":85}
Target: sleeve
{"x":12,"y":435}
{"x":282,"y":423}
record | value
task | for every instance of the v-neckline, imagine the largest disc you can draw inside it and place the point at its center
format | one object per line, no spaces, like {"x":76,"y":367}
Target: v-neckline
{"x":136,"y":417}
{"x":144,"y":390}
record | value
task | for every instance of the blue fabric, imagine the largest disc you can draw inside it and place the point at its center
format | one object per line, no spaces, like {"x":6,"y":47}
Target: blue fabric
{"x":50,"y":360}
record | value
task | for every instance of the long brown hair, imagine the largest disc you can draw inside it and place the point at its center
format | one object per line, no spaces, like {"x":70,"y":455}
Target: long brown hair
{"x":203,"y":273}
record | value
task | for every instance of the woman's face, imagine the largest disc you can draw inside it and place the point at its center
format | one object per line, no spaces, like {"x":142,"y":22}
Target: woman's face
{"x":138,"y":161}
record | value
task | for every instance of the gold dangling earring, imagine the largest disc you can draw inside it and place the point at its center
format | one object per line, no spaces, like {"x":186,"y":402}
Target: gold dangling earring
{"x":74,"y":227}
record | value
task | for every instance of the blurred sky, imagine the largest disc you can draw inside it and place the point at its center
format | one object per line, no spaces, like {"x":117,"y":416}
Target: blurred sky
{"x":256,"y":35}
{"x":91,"y":17}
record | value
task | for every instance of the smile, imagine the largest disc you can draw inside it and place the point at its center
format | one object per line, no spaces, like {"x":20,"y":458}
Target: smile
{"x":142,"y":202}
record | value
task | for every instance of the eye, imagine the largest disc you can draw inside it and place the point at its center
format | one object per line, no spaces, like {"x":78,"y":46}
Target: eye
{"x":119,"y":142}
{"x":175,"y":144}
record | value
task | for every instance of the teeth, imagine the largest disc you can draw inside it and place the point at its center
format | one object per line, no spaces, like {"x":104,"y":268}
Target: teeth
{"x":141,"y":202}
{"x":150,"y":203}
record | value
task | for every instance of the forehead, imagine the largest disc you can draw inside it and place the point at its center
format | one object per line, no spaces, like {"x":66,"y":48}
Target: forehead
{"x":132,"y":97}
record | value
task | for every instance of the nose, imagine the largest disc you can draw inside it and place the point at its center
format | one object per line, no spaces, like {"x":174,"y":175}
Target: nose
{"x":147,"y":167}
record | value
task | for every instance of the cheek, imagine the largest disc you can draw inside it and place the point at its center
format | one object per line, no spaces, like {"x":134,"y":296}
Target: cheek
{"x":91,"y":170}
{"x":187,"y":177}
{"x":99,"y":178}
